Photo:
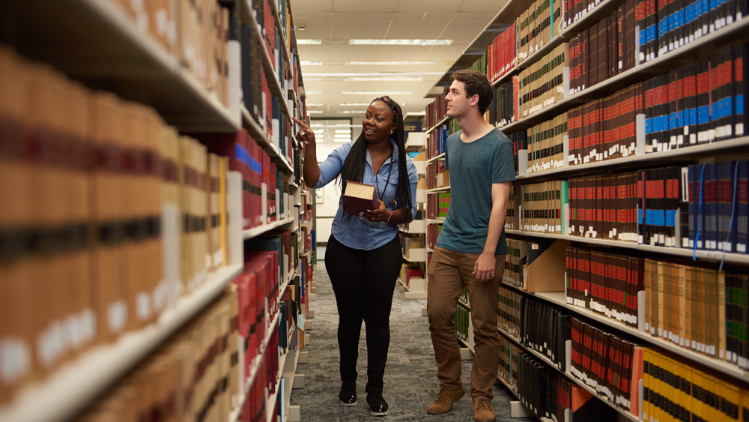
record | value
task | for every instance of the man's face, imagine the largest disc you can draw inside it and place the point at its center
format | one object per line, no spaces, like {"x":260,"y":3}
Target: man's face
{"x":457,"y":103}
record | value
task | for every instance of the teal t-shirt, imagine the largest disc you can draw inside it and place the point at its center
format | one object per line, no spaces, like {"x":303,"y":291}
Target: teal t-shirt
{"x":473,"y":169}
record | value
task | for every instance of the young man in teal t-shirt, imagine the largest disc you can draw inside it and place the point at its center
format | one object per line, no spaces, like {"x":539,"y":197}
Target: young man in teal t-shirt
{"x":470,"y":251}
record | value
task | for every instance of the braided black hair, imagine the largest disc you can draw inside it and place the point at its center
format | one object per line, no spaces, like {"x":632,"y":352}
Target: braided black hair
{"x":356,"y":161}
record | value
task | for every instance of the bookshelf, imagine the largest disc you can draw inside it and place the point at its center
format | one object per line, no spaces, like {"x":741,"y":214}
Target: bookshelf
{"x":101,"y":367}
{"x":698,"y":49}
{"x":99,"y":43}
{"x":414,"y":255}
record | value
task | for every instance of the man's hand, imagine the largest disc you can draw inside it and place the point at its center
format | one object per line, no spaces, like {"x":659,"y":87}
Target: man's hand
{"x":484,"y":267}
{"x":377,"y":215}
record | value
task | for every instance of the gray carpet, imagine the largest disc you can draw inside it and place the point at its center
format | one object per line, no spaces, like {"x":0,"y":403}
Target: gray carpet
{"x":410,"y":377}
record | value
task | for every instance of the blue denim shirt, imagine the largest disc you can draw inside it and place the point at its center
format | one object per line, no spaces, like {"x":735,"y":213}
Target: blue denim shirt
{"x":357,"y":232}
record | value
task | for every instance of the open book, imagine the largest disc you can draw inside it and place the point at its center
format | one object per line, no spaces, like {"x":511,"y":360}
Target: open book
{"x":359,"y":197}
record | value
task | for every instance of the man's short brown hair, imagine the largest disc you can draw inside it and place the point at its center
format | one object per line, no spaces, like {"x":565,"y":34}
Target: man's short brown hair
{"x":476,"y":84}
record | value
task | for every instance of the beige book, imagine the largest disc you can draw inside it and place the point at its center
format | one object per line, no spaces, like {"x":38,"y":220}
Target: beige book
{"x":15,"y":215}
{"x":721,"y":316}
{"x":648,"y":285}
{"x":184,"y":171}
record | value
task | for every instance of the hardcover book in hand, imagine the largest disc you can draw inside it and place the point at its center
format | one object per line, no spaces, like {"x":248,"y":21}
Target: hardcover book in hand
{"x":359,"y":197}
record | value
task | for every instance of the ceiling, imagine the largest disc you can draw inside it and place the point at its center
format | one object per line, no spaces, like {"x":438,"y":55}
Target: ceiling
{"x":335,"y":22}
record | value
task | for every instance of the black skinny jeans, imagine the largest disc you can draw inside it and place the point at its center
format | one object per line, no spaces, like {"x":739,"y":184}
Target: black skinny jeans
{"x":363,"y":282}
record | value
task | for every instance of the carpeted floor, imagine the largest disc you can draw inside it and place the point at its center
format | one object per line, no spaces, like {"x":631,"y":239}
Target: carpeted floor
{"x":411,"y":374}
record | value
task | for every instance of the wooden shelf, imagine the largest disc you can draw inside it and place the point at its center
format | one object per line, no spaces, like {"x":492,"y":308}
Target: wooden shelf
{"x":734,"y":258}
{"x":438,"y":190}
{"x":689,"y":53}
{"x":95,"y":40}
{"x":571,"y":377}
{"x":691,"y":152}
{"x":436,"y":158}
{"x":256,"y":231}
{"x":97,"y":369}
{"x":435,"y":221}
{"x":440,"y":123}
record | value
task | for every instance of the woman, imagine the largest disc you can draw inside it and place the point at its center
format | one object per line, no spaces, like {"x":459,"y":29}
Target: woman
{"x":363,"y":256}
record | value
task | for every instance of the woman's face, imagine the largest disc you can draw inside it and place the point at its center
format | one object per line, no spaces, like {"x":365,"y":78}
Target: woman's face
{"x":378,"y":122}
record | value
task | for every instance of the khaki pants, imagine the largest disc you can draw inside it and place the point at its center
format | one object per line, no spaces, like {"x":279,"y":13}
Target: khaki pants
{"x":449,"y":272}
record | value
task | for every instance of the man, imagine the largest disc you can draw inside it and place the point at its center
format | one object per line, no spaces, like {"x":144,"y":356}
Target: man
{"x":471,"y":249}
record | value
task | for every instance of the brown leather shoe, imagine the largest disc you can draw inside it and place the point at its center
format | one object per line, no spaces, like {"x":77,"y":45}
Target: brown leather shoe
{"x":445,"y":400}
{"x":483,"y":411}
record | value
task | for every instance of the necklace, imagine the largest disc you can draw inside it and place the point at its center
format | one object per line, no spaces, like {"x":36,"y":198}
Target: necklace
{"x":377,"y":183}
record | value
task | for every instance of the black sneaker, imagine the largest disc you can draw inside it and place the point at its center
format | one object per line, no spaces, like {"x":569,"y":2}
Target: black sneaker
{"x":377,"y":405}
{"x":347,"y":396}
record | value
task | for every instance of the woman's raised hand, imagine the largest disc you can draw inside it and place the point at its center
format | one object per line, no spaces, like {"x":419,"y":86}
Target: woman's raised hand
{"x":306,"y":135}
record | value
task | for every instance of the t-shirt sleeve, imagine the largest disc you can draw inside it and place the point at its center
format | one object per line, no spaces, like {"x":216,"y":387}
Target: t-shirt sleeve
{"x":503,"y":168}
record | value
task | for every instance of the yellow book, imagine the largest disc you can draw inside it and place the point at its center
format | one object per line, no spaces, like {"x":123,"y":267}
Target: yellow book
{"x":697,"y":394}
{"x":730,"y":401}
{"x":647,"y":357}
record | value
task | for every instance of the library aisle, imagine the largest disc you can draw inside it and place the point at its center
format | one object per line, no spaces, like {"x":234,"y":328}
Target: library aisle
{"x":410,"y":376}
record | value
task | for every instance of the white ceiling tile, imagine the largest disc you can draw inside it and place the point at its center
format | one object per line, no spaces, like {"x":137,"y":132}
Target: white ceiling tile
{"x":307,"y":14}
{"x":315,"y":52}
{"x":316,"y":28}
{"x":397,"y":15}
{"x":343,"y":15}
{"x":489,"y":6}
{"x":445,"y":52}
{"x":311,"y":5}
{"x":416,"y":28}
{"x":347,"y":52}
{"x":428,"y":5}
{"x":464,"y":29}
{"x":459,"y":15}
{"x":360,"y":28}
{"x":365,"y":6}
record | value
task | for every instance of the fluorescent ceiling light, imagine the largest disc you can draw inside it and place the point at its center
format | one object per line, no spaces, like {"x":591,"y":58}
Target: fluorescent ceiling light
{"x":390,"y":63}
{"x":401,"y":42}
{"x":352,"y":112}
{"x":377,"y":92}
{"x":345,"y":125}
{"x":312,"y":79}
{"x":343,"y":131}
{"x":368,"y":79}
{"x":418,"y":113}
{"x":313,"y":104}
{"x":343,"y":136}
{"x":343,"y":140}
{"x":312,"y":92}
{"x":316,"y":125}
{"x":308,"y":41}
{"x":313,"y":112}
{"x":312,"y":63}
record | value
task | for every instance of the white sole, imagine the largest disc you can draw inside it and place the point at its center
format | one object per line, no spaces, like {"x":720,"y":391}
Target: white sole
{"x":378,"y":413}
{"x":349,"y":404}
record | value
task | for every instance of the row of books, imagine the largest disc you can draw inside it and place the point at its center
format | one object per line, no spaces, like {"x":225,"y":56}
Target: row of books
{"x":699,"y":103}
{"x":519,"y":143}
{"x":508,"y":310}
{"x":193,"y":376}
{"x":546,"y":392}
{"x":605,"y":282}
{"x":545,"y":144}
{"x":536,"y":26}
{"x":542,"y":205}
{"x":261,"y":187}
{"x":516,"y":252}
{"x":87,"y":211}
{"x":504,"y":109}
{"x":605,"y":128}
{"x":697,"y":308}
{"x":462,"y":321}
{"x":666,"y":26}
{"x":542,"y":83}
{"x":544,"y":328}
{"x":437,"y":139}
{"x":674,"y":389}
{"x":259,"y":101}
{"x":543,"y":390}
{"x":610,"y":365}
{"x":255,"y":407}
{"x":433,"y":233}
{"x":502,"y":53}
{"x":436,"y":111}
{"x":194,"y":31}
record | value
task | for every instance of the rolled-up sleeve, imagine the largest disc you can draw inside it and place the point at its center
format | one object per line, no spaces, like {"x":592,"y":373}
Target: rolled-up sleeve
{"x":413,"y":179}
{"x":331,"y":167}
